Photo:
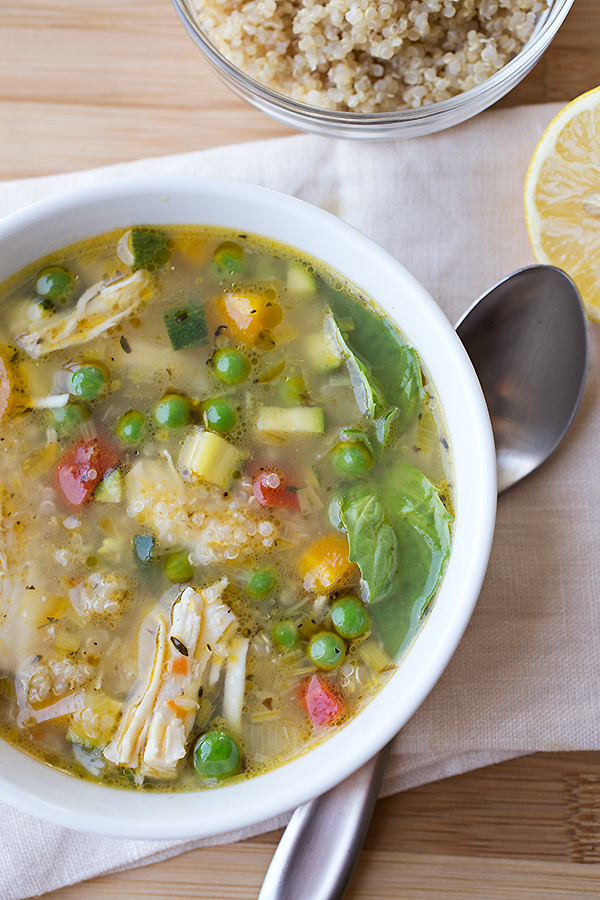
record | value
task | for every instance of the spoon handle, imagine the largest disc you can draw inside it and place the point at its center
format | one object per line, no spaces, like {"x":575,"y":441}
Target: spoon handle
{"x":319,"y":848}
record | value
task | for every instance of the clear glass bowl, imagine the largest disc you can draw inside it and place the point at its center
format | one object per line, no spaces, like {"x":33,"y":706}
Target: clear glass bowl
{"x":385,"y":125}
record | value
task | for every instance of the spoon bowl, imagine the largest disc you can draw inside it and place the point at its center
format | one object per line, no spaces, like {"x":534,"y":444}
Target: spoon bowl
{"x":527,"y":338}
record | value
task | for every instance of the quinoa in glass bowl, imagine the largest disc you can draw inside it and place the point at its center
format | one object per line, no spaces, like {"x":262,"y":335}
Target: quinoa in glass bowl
{"x":367,"y":69}
{"x":366,"y":56}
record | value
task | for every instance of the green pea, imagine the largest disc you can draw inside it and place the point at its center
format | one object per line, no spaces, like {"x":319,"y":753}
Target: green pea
{"x":177,"y":567}
{"x":88,"y":380}
{"x":326,"y":650}
{"x":230,"y":366}
{"x":350,"y":617}
{"x":285,"y":635}
{"x":173,"y":411}
{"x":217,"y":755}
{"x":130,"y":427}
{"x":351,"y":458}
{"x":65,"y":419}
{"x":55,"y":283}
{"x":218,"y":415}
{"x":261,"y":583}
{"x":229,"y":257}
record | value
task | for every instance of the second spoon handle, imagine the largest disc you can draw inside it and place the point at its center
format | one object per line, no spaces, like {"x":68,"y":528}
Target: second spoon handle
{"x":319,"y":848}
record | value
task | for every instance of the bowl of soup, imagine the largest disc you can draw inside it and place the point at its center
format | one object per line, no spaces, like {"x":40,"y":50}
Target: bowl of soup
{"x":248,"y":497}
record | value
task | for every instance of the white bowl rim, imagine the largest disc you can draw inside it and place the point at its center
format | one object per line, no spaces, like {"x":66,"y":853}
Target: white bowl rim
{"x":66,"y":801}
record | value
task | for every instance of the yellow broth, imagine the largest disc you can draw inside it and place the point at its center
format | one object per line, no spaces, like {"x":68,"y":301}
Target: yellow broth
{"x":252,"y":557}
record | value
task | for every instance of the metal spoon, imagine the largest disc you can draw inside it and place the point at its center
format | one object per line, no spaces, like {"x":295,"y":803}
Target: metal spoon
{"x":527,"y":339}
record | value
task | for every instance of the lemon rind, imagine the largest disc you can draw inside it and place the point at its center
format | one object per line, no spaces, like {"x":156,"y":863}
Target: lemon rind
{"x":544,"y":149}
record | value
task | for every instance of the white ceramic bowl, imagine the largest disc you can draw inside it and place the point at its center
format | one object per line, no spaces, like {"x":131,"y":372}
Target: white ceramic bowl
{"x":386,"y":125}
{"x":51,"y":224}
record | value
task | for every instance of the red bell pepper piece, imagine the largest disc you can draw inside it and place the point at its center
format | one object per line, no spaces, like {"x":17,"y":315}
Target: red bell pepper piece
{"x":272,"y":488}
{"x":82,"y":468}
{"x":321,"y":704}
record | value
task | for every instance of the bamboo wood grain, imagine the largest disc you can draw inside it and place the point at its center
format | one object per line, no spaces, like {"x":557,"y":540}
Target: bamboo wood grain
{"x":521,"y":829}
{"x":403,"y":876}
{"x":86,"y":84}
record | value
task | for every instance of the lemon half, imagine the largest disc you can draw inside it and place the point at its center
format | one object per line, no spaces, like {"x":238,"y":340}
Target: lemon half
{"x":562,"y":197}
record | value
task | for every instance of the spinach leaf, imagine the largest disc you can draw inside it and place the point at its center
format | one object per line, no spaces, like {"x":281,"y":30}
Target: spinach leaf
{"x":371,"y":539}
{"x":401,"y":573}
{"x":356,"y":435}
{"x":368,"y":396}
{"x":397,"y":615}
{"x":383,"y":423}
{"x":393,"y":365}
{"x":367,"y":393}
{"x":421,"y":524}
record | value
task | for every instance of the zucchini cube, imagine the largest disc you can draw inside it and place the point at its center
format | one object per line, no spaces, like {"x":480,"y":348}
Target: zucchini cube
{"x":210,"y":457}
{"x":186,"y":326}
{"x":110,"y":489}
{"x":149,"y":248}
{"x":294,"y":420}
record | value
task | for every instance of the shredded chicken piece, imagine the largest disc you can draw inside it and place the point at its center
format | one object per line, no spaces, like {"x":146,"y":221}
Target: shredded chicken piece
{"x":235,"y":682}
{"x":160,"y":710}
{"x":98,"y":309}
{"x":214,"y":528}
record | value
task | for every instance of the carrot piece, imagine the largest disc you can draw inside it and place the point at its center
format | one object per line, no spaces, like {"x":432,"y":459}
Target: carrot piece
{"x":321,"y":704}
{"x":325,"y":562}
{"x":178,"y":666}
{"x":178,"y":710}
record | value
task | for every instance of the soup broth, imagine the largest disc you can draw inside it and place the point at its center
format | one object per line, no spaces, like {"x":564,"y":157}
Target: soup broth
{"x":225,"y":505}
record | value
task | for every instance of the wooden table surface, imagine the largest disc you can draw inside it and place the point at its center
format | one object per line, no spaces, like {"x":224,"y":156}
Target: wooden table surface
{"x":85,"y":84}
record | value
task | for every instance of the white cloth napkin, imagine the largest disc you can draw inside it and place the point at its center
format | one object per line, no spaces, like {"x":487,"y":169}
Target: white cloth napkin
{"x":525,"y":676}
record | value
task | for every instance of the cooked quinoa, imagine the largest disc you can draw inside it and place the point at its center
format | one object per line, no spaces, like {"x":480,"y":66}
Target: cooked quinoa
{"x":367,"y":55}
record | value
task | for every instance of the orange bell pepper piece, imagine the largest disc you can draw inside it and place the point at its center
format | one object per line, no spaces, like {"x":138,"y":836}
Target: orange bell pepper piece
{"x":193,"y":247}
{"x":325,"y":562}
{"x":247,"y":314}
